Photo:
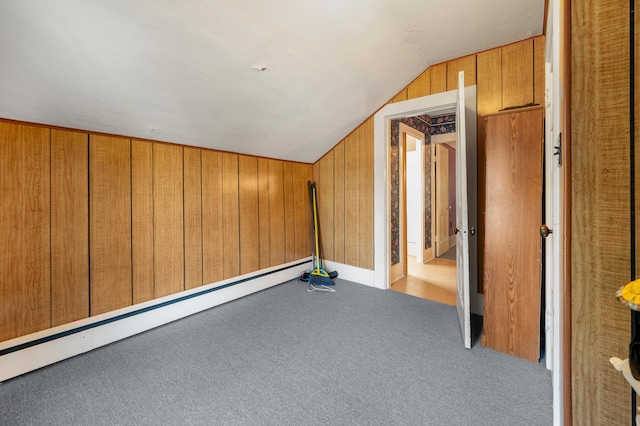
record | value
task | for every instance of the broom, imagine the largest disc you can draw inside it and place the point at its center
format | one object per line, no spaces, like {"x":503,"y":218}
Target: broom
{"x":318,"y":276}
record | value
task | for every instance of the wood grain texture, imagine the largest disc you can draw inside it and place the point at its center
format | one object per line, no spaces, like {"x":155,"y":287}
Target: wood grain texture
{"x":400,"y":96}
{"x":366,"y":237}
{"x":352,"y":199}
{"x":263,"y":209}
{"x":230,"y":213}
{"x":600,"y":204}
{"x":249,"y":218}
{"x":512,"y":240}
{"x":439,"y":78}
{"x":324,"y":191}
{"x":276,"y":213}
{"x":489,"y":82}
{"x":168,"y":219}
{"x":109,"y":223}
{"x":212,"y":242}
{"x":489,"y":90}
{"x":69,"y":226}
{"x":25,"y":300}
{"x":142,"y":220}
{"x":289,"y":212}
{"x":517,"y":74}
{"x":466,"y":64}
{"x":302,"y":174}
{"x":339,"y":202}
{"x":192,"y":217}
{"x":538,"y":69}
{"x":421,"y":86}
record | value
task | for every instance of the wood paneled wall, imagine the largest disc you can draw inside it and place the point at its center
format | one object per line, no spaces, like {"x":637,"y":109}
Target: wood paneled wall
{"x":511,"y":75}
{"x":93,"y":223}
{"x":600,"y":208}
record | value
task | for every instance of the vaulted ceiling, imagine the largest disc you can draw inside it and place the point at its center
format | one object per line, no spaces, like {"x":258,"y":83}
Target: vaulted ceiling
{"x":283,"y":79}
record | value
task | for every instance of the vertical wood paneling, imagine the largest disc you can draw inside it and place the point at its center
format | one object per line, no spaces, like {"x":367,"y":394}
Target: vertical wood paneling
{"x":600,"y":259}
{"x":517,"y":74}
{"x":192,"y":218}
{"x":24,"y":230}
{"x":249,"y":217}
{"x":538,"y":70}
{"x":400,"y":96}
{"x":489,"y":91}
{"x":69,"y":226}
{"x":263,"y":208}
{"x":466,"y":64}
{"x":302,"y":174}
{"x":338,"y":203}
{"x":352,"y":199}
{"x":439,"y":78}
{"x":109,"y":223}
{"x":230,"y":220}
{"x":168,"y":219}
{"x":289,"y":215}
{"x":366,"y":238}
{"x":324,"y":191}
{"x":212,"y":242}
{"x":489,"y":81}
{"x":421,"y":86}
{"x":142,"y":220}
{"x":276,"y":213}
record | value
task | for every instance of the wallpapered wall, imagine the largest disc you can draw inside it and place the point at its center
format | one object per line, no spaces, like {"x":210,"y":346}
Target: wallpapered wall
{"x":428,"y":126}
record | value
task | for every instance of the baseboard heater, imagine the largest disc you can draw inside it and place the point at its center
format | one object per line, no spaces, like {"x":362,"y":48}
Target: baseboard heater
{"x":36,"y":350}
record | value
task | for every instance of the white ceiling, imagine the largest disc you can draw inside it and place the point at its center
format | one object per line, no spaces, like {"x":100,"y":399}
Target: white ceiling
{"x":187,"y":71}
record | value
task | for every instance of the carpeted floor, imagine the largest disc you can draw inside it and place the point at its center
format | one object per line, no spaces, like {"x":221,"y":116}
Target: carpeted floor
{"x":360,"y":356}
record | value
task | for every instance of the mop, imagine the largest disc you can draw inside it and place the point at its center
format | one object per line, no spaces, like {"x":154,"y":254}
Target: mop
{"x":319,"y":278}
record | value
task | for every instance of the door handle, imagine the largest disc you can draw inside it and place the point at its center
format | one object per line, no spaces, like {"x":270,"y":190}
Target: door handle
{"x":545,"y":231}
{"x":455,"y":230}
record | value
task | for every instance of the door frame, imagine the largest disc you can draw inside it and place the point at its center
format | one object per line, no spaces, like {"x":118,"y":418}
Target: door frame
{"x":438,"y":104}
{"x":421,"y":251}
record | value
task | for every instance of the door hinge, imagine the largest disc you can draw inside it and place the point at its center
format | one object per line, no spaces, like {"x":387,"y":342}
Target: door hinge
{"x":557,"y":150}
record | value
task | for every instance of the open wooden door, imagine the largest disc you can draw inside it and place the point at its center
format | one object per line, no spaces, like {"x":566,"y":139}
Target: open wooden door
{"x":442,"y":200}
{"x":463,"y":302}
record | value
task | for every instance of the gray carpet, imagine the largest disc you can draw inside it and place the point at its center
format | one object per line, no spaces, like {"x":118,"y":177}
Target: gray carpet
{"x":360,"y":356}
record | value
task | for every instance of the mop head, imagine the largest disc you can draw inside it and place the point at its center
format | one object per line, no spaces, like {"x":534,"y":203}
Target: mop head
{"x":629,"y":295}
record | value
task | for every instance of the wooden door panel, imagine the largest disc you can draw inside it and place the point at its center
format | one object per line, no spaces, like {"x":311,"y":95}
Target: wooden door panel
{"x":512,"y":240}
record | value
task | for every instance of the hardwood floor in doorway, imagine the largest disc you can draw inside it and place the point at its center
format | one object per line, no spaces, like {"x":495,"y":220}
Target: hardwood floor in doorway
{"x":435,"y":280}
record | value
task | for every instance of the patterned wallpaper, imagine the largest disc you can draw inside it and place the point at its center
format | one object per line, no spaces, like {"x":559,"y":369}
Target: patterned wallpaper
{"x":429,"y":126}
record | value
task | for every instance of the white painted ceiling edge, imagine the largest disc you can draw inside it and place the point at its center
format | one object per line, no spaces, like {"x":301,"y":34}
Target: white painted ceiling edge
{"x":188,"y":71}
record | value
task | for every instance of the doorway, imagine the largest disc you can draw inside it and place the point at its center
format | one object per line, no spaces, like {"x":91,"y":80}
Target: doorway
{"x":438,"y":104}
{"x":426,"y":207}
